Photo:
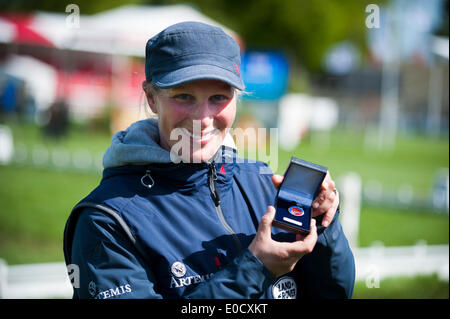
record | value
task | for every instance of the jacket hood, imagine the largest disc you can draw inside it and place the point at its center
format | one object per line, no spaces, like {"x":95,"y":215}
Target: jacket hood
{"x":139,"y":145}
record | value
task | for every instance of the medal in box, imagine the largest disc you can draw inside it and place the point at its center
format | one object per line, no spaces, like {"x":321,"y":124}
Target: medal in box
{"x":293,"y":203}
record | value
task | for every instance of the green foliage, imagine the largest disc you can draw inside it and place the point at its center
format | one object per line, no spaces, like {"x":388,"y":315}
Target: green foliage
{"x":86,"y":6}
{"x":303,"y":29}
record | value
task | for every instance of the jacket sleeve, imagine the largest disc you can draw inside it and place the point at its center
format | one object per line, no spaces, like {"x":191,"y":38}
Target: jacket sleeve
{"x":110,"y":267}
{"x":245,"y":277}
{"x":108,"y":264}
{"x":329,"y":270}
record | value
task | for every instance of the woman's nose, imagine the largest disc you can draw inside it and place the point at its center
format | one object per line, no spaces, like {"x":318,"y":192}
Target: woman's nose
{"x":204,"y":114}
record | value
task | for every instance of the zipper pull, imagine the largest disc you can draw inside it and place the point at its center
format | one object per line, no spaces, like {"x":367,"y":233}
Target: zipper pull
{"x":213,"y":185}
{"x":149,"y":177}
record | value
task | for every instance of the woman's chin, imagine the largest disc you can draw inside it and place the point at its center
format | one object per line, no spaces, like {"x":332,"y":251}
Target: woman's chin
{"x":202,"y":156}
{"x":190,"y":151}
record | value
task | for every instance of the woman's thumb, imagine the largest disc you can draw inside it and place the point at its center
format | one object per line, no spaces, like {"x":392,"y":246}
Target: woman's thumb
{"x":265,"y":226}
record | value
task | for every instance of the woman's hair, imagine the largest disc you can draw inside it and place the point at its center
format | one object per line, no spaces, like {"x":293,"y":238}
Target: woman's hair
{"x":147,"y":85}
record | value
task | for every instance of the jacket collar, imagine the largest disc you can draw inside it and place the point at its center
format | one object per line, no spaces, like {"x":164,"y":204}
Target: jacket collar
{"x":183,"y":176}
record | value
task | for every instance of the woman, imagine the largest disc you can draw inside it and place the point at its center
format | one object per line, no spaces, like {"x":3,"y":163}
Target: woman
{"x":177,"y":215}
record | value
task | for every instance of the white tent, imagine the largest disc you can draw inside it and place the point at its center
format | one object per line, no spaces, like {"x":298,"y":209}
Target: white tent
{"x":39,"y":77}
{"x":122,"y":31}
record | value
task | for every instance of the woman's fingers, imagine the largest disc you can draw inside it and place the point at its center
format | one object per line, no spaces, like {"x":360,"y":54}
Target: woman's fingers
{"x":265,"y":225}
{"x":327,"y":201}
{"x":277,"y":180}
{"x":304,"y":244}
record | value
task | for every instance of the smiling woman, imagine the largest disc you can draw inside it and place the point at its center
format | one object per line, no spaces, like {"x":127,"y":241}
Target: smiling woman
{"x":194,"y":118}
{"x":197,"y":224}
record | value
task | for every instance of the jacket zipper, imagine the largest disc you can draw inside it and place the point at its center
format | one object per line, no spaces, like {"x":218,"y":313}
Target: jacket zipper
{"x":216,"y":198}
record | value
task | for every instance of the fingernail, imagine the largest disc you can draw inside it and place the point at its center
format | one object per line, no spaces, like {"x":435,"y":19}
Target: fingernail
{"x":325,"y":223}
{"x":315,"y":205}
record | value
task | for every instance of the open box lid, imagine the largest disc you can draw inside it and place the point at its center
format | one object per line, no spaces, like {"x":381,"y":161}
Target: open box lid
{"x":303,"y":177}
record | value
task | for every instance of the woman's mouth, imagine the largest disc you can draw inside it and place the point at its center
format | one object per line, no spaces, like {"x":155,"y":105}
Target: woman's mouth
{"x":201,"y":138}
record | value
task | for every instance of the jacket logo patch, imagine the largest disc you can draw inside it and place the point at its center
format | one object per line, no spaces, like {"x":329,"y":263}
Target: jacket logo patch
{"x":296,"y":211}
{"x":178,"y":269}
{"x":92,"y":288}
{"x":187,"y":281}
{"x":284,"y":288}
{"x":179,"y":279}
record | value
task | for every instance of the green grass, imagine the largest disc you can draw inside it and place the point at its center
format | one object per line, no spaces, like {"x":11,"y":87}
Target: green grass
{"x":34,"y":206}
{"x":78,"y":137}
{"x":415,"y":160}
{"x":419,"y":287}
{"x":401,"y":228}
{"x":35,"y":201}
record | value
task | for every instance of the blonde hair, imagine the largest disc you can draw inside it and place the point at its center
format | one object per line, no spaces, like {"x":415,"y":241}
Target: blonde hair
{"x":148,"y":85}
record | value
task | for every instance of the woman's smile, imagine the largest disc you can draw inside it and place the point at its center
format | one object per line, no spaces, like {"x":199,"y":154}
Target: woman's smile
{"x":202,"y":138}
{"x":194,"y":118}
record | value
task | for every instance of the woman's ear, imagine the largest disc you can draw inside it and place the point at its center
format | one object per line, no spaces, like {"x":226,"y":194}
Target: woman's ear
{"x":150,"y":95}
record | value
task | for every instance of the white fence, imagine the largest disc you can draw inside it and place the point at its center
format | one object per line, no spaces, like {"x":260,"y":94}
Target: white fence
{"x":372,"y":265}
{"x":378,"y":262}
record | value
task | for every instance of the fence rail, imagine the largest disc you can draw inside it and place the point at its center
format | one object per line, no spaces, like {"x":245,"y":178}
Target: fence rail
{"x":50,"y":280}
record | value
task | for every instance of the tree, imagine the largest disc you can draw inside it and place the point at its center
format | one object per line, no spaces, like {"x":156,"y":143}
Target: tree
{"x":303,"y":29}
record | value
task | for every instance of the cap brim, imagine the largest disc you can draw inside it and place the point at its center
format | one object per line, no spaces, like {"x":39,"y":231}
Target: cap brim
{"x":197,"y":72}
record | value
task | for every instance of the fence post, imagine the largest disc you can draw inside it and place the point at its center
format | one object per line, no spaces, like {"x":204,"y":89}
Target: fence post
{"x":3,"y":278}
{"x":350,"y":189}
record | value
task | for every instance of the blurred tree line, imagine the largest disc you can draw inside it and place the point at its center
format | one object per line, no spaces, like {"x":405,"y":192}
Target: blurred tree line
{"x":304,"y":29}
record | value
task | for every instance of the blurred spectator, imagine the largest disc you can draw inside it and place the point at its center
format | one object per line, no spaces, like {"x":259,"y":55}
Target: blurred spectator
{"x":15,"y":98}
{"x":58,"y":119}
{"x":9,"y":93}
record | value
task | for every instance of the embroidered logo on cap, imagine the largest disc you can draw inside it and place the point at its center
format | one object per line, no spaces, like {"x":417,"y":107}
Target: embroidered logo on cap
{"x":236,"y":68}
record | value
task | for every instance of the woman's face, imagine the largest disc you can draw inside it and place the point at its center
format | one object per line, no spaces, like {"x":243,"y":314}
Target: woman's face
{"x":194,"y":118}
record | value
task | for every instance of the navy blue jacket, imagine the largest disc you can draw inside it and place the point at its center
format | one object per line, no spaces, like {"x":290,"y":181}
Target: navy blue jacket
{"x":187,"y":235}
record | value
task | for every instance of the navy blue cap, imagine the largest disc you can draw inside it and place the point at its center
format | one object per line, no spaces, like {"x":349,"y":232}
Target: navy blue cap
{"x":190,"y":51}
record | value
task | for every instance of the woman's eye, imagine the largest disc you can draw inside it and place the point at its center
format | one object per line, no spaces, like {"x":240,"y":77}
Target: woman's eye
{"x":183,"y":97}
{"x":219,"y":98}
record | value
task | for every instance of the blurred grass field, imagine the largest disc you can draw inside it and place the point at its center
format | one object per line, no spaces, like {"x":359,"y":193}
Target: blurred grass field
{"x":35,"y":201}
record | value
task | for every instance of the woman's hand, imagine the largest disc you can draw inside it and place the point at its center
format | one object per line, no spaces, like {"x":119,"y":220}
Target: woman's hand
{"x":326,"y":201}
{"x":280,"y":257}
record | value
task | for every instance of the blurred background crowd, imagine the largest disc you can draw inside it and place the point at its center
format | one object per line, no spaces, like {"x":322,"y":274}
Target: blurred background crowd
{"x":359,"y":86}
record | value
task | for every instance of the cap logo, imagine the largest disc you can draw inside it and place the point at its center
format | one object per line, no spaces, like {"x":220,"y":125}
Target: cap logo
{"x":236,"y":68}
{"x":296,"y":211}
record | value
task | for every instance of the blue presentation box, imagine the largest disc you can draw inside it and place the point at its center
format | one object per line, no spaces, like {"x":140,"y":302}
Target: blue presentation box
{"x":293,"y":203}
